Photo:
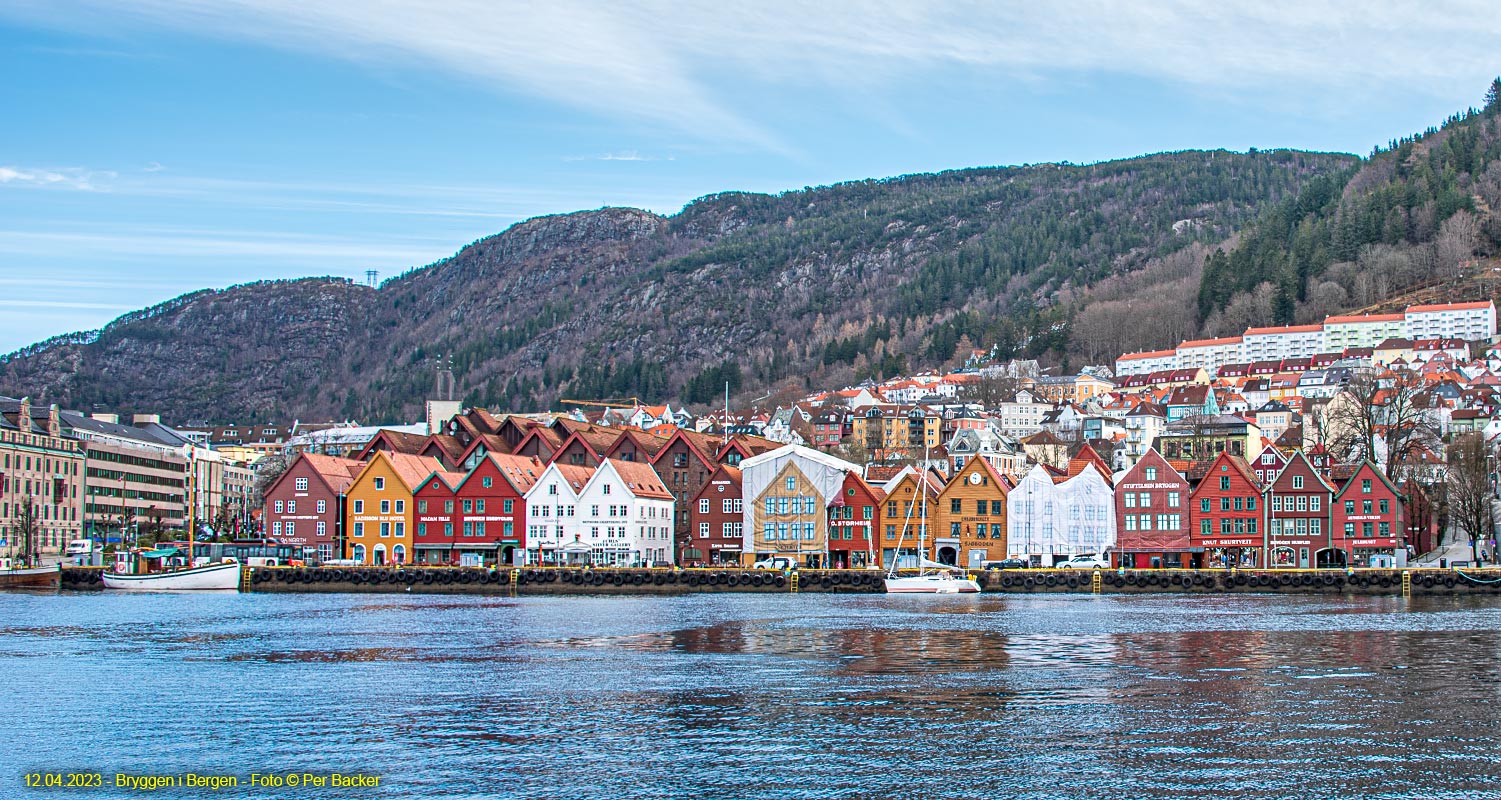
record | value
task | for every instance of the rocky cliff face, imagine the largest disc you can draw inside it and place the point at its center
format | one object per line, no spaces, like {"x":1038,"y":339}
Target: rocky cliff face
{"x":622,"y":301}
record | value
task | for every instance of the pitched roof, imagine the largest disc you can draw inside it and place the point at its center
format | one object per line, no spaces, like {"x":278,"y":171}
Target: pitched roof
{"x":1449,"y":307}
{"x":335,"y":471}
{"x":641,"y":479}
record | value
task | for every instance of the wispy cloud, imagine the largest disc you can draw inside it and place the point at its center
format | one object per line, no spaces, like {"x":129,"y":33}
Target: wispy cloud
{"x":153,"y":166}
{"x":673,"y":63}
{"x":192,"y":243}
{"x":624,"y":155}
{"x":68,"y":178}
{"x":64,"y":304}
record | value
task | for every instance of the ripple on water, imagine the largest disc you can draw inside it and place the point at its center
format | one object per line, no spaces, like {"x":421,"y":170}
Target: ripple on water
{"x":770,"y":696}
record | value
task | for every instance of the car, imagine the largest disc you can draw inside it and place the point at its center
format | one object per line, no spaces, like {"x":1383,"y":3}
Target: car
{"x":80,"y":547}
{"x":1085,"y":561}
{"x":775,"y":562}
{"x":1005,"y":563}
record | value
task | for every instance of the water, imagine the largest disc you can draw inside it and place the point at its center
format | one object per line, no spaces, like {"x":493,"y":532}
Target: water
{"x":761,"y":696}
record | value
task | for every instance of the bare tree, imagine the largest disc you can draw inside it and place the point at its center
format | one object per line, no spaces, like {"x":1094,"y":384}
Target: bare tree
{"x":1469,"y":488}
{"x":1457,"y":239}
{"x":28,"y":532}
{"x":1382,"y":417}
{"x":267,"y":470}
{"x":992,"y":390}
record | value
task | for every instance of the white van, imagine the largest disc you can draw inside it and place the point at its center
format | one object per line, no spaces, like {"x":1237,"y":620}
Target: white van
{"x":80,"y":547}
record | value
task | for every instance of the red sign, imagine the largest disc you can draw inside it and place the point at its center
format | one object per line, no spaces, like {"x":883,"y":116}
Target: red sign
{"x":1231,"y":542}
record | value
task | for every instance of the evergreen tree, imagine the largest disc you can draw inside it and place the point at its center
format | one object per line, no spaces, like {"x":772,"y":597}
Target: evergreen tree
{"x":1493,"y":97}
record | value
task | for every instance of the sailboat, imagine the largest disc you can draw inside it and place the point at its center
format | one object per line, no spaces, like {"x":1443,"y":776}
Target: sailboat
{"x":943,"y":579}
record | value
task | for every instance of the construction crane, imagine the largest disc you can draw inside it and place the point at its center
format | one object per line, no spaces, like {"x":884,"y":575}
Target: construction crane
{"x":625,"y":402}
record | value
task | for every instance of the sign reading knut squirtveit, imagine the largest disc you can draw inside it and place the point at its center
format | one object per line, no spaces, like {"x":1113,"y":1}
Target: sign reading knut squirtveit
{"x":1240,"y":542}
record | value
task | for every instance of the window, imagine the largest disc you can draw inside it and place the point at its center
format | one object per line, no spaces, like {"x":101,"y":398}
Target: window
{"x":771,"y":505}
{"x":1224,"y":483}
{"x":300,"y":484}
{"x":1130,"y":499}
{"x":1349,"y":506}
{"x":359,"y":506}
{"x":479,"y":506}
{"x":508,"y":505}
{"x":486,"y":482}
{"x":1131,"y":522}
{"x":401,"y":528}
{"x":322,"y":530}
{"x":280,"y":506}
{"x":996,"y":508}
{"x":276,"y":529}
{"x":703,"y":505}
{"x":607,"y":488}
{"x":955,"y":506}
{"x":1173,"y":499}
{"x":1365,"y":506}
{"x":380,"y":483}
{"x":385,"y":530}
{"x":422,"y":529}
{"x":385,"y":506}
{"x":1276,"y":502}
{"x":359,"y":529}
{"x":1250,"y":504}
{"x":448,"y":529}
{"x":468,"y":506}
{"x":1206,"y":527}
{"x":1386,"y":507}
{"x":1204,"y":505}
{"x":447,"y":506}
{"x":1386,"y":529}
{"x":421,"y":506}
{"x":1365,"y":486}
{"x":1238,"y":503}
{"x":1315,"y":503}
{"x":1225,"y":503}
{"x":1151,"y":473}
{"x":322,"y":507}
{"x":791,"y":483}
{"x":1297,"y":481}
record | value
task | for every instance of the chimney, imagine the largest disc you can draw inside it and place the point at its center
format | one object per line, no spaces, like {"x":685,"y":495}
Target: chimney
{"x":146,"y":419}
{"x":103,"y":417}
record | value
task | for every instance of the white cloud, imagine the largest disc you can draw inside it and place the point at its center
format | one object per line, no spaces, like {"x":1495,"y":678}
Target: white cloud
{"x":193,"y":243}
{"x":69,"y":178}
{"x":624,"y":155}
{"x":669,"y":62}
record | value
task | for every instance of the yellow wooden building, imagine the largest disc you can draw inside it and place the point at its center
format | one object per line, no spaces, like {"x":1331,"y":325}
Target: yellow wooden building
{"x":972,"y":511}
{"x":379,"y":509}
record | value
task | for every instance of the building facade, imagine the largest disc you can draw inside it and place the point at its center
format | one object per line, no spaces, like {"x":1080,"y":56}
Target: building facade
{"x":1152,"y":516}
{"x":42,"y":481}
{"x":304,"y":507}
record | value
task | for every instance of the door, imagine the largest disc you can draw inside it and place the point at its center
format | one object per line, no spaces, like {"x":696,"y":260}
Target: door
{"x":1303,"y":558}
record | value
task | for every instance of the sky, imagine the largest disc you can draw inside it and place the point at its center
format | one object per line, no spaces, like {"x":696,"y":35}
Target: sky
{"x":155,"y":147}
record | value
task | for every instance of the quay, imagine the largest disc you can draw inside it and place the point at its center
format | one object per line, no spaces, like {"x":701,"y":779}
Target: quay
{"x":576,"y":580}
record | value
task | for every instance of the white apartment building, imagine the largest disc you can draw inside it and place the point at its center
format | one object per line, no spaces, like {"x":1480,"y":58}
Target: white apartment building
{"x":1146,"y":362}
{"x":1469,"y":321}
{"x":1287,"y":341}
{"x":1362,"y":330}
{"x":1021,"y":418}
{"x":1210,"y":354}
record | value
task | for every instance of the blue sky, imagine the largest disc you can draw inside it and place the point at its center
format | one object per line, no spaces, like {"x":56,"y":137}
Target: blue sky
{"x":155,"y":147}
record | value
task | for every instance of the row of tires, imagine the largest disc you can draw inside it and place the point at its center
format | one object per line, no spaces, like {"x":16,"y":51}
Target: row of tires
{"x":82,"y":578}
{"x":729,"y":579}
{"x":1230,"y":581}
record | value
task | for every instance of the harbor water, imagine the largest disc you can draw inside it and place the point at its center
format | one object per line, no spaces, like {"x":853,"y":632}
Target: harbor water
{"x":758,"y":696}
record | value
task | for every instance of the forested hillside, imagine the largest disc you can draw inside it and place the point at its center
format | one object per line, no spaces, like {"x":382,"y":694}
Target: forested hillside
{"x":819,"y":286}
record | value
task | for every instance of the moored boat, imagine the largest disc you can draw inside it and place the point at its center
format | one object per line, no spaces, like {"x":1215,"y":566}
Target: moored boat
{"x":942,"y":582}
{"x":14,"y":576}
{"x":137,"y":573}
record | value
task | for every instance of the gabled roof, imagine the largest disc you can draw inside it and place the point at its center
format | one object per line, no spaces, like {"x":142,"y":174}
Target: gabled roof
{"x":395,"y":441}
{"x":409,"y":469}
{"x":337,"y":472}
{"x":640,"y":479}
{"x":522,"y":472}
{"x":451,"y":480}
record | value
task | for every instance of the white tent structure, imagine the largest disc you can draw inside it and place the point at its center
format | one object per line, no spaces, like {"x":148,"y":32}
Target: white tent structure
{"x":1047,"y":522}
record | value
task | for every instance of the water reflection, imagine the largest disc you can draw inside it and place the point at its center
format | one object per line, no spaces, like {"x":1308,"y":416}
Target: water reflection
{"x":774,"y":696}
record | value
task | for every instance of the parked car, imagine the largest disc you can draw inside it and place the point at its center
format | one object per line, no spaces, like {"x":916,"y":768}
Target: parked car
{"x":1005,"y":563}
{"x":80,"y":547}
{"x":775,"y":562}
{"x":1086,"y":561}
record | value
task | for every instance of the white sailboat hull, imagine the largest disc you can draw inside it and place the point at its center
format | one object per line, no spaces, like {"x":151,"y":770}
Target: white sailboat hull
{"x":937,"y":583}
{"x":214,"y":576}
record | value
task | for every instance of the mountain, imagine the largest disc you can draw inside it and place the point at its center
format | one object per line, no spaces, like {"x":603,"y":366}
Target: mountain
{"x":818,"y":286}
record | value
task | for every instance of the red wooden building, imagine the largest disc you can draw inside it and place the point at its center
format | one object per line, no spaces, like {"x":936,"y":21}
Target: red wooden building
{"x":1225,"y":514}
{"x":854,"y":518}
{"x":1299,"y":527}
{"x":716,"y":521}
{"x":491,"y":503}
{"x":1368,"y":517}
{"x":305,"y":506}
{"x":436,"y":518}
{"x":1152,"y":517}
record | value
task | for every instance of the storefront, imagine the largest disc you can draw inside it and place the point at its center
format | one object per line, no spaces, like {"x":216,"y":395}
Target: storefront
{"x":1237,"y":553}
